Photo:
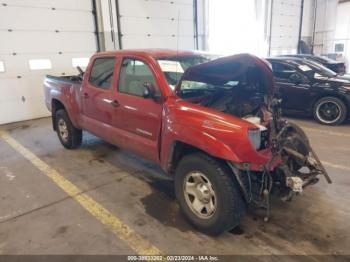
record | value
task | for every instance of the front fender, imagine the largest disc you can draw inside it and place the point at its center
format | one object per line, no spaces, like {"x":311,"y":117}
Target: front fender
{"x":196,"y":138}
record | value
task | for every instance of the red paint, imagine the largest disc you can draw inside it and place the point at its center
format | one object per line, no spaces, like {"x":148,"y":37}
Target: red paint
{"x":168,"y":121}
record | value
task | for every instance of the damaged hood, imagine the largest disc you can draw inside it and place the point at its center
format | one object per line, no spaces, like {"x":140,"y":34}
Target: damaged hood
{"x":232,"y":68}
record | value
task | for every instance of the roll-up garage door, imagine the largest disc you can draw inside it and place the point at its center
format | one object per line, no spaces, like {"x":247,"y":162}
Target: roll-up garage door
{"x":285,"y":27}
{"x":39,"y":37}
{"x":148,"y":24}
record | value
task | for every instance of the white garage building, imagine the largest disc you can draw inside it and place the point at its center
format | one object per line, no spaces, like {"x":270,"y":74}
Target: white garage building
{"x":41,"y":37}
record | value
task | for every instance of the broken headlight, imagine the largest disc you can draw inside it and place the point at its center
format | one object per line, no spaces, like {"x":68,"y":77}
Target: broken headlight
{"x":255,"y":137}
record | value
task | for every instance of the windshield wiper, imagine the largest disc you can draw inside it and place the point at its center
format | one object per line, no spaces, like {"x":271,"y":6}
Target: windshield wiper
{"x":188,"y":91}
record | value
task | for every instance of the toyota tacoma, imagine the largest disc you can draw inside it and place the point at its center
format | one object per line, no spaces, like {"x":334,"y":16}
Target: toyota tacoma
{"x":213,"y":125}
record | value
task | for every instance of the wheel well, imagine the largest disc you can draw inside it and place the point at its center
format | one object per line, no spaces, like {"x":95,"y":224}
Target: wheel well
{"x":178,"y":151}
{"x":331,"y":95}
{"x":55,"y":106}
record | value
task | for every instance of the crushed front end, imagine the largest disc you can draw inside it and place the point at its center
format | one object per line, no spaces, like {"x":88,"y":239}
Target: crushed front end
{"x":281,"y":160}
{"x":292,"y":166}
{"x":300,"y":166}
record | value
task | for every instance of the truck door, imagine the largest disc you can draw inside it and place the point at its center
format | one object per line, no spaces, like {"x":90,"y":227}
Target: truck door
{"x":98,"y":98}
{"x":140,"y":117}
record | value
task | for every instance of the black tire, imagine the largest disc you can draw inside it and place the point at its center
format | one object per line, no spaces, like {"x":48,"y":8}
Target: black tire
{"x":337,"y":105}
{"x":230,"y":205}
{"x":298,"y":141}
{"x":294,"y":128}
{"x":74,"y":136}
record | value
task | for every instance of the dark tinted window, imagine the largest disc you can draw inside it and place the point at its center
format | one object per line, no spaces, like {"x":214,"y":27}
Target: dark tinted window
{"x":339,"y":47}
{"x":317,"y":68}
{"x":133,"y":76}
{"x":102,"y":72}
{"x":281,"y":70}
{"x":324,"y":59}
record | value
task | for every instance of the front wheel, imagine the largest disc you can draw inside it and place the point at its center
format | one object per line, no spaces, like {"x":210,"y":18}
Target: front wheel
{"x":330,"y":111}
{"x":69,"y":135}
{"x":207,"y":194}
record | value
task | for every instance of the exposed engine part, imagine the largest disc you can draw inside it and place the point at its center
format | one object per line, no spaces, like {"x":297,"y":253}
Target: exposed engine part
{"x":295,"y":183}
{"x":266,"y":195}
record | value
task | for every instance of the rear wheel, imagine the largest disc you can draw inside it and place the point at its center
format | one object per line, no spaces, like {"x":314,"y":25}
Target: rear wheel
{"x":330,"y":111}
{"x":208,"y":194}
{"x":69,"y":135}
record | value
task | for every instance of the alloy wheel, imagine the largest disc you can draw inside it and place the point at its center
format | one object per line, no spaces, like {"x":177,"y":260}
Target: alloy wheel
{"x":200,"y":195}
{"x":63,"y":130}
{"x":328,"y":112}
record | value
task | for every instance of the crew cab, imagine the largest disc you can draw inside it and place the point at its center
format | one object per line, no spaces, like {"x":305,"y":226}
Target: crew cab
{"x":213,"y":126}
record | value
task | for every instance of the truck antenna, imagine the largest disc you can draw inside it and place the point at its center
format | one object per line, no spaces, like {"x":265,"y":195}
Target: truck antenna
{"x":178,"y":33}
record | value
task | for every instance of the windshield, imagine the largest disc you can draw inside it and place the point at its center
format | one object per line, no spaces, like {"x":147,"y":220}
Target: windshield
{"x":324,"y":59}
{"x":316,"y":69}
{"x":174,"y":67}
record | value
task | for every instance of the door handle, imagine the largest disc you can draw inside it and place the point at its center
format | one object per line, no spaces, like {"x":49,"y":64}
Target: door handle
{"x":114,"y":103}
{"x":86,"y":95}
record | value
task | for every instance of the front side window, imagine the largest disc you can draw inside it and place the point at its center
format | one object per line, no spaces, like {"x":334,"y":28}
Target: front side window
{"x":101,"y":75}
{"x":282,"y":71}
{"x":134,"y":75}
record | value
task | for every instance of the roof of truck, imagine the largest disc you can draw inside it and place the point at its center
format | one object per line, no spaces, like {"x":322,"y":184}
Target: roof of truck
{"x":155,"y":52}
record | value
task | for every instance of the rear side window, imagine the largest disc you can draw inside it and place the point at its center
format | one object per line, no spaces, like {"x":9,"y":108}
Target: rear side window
{"x":101,"y":75}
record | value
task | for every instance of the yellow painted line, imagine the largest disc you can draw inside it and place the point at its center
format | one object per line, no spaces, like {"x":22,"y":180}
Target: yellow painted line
{"x":346,"y":168}
{"x":326,"y":132}
{"x":140,"y":245}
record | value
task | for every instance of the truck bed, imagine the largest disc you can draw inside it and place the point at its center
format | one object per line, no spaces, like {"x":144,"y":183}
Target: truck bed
{"x":65,"y":91}
{"x":73,"y":79}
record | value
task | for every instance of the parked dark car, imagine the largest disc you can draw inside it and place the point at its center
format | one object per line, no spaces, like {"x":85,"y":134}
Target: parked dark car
{"x":312,"y":89}
{"x":336,"y":66}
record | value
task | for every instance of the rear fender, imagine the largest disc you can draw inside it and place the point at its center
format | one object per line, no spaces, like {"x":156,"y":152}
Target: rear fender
{"x":58,"y":98}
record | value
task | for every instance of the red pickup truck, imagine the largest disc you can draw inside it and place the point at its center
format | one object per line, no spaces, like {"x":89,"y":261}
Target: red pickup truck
{"x":214,"y":126}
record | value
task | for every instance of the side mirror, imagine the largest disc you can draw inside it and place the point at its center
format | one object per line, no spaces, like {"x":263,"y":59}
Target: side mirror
{"x":149,"y":91}
{"x":295,"y":78}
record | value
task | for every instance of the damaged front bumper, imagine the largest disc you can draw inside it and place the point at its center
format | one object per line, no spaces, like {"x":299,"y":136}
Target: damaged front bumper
{"x":292,"y":166}
{"x":300,"y":165}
